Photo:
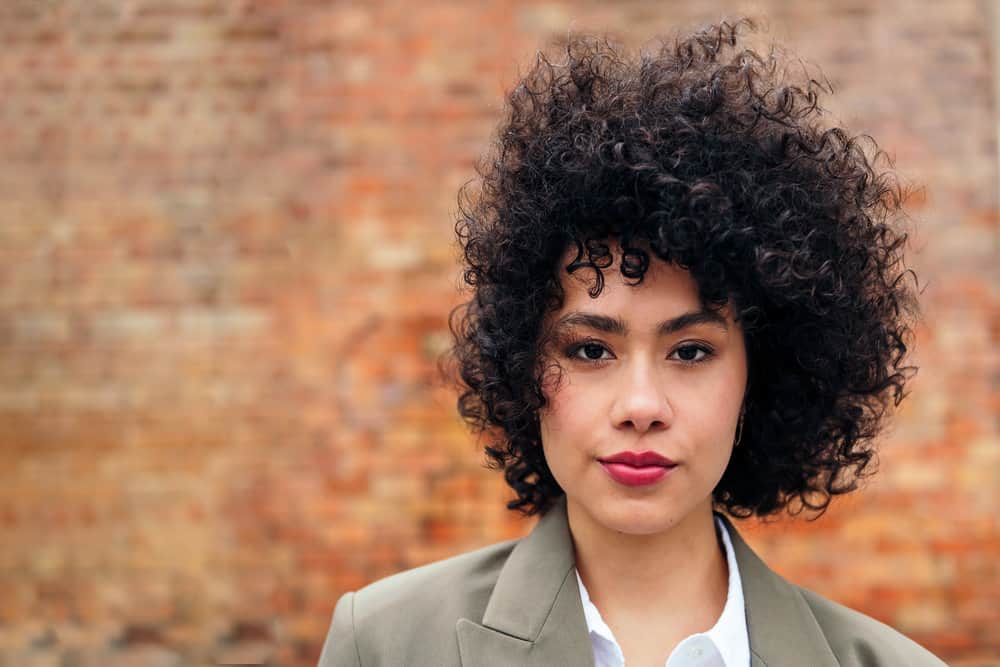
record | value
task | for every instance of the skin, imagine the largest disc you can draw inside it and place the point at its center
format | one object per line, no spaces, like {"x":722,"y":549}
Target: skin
{"x":649,"y":555}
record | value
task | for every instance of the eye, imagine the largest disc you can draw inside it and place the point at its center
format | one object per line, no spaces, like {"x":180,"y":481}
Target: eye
{"x":688,"y":354}
{"x":591,"y":351}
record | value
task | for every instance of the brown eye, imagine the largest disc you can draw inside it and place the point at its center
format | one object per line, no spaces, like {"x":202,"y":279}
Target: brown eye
{"x":591,"y":351}
{"x":688,"y":354}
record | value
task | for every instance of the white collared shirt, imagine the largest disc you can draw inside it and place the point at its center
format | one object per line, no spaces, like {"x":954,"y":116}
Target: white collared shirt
{"x":726,"y":644}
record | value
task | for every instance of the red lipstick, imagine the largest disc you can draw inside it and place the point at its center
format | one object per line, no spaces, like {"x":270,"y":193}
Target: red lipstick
{"x":637,"y":468}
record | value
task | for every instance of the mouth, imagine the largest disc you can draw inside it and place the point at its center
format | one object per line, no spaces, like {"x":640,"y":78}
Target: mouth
{"x":639,"y":459}
{"x":637,"y":468}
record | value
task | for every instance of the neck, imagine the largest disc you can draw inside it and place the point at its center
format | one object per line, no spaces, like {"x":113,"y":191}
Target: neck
{"x":678,"y":576}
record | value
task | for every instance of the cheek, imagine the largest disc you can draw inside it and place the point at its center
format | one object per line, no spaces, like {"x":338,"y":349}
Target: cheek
{"x":559,"y":413}
{"x":568,"y":415}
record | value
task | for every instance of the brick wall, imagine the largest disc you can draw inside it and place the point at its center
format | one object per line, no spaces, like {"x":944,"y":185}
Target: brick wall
{"x":225,"y":268}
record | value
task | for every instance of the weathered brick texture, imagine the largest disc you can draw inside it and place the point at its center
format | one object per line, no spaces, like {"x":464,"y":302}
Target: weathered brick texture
{"x":226,"y":262}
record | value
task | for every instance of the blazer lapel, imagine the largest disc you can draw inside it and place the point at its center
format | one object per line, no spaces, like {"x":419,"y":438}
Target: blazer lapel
{"x":534,"y":615}
{"x":782,"y":628}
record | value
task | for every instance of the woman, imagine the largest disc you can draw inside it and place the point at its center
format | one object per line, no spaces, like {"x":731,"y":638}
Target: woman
{"x":689,"y":298}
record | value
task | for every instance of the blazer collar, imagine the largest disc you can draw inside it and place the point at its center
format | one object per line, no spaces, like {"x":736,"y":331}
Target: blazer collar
{"x":535,"y":615}
{"x":780,"y":623}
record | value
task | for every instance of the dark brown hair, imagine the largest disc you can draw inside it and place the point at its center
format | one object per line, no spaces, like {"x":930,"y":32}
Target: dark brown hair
{"x":704,"y":154}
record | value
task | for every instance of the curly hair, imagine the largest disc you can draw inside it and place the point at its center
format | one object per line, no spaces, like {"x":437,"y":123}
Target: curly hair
{"x":703,"y":154}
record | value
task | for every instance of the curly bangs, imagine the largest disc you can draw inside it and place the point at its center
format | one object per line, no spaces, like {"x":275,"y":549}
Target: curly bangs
{"x":702,"y":154}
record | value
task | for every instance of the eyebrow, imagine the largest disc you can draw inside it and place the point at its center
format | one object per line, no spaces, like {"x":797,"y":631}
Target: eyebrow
{"x":617,"y":326}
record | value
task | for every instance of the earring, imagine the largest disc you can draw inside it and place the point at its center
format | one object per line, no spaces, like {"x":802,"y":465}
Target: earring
{"x":743,"y":411}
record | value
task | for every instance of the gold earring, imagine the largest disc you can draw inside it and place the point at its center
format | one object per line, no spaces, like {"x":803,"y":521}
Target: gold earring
{"x":739,"y":430}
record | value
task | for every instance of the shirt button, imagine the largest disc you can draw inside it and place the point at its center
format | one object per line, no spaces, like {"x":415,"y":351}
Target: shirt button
{"x":697,"y":651}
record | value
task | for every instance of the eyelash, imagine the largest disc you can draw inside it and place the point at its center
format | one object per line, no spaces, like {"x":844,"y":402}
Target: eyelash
{"x":572,"y":350}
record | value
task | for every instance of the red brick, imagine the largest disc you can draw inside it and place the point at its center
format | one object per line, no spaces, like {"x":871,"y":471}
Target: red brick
{"x":225,"y":268}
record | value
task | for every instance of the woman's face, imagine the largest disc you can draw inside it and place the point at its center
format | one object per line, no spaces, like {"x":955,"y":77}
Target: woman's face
{"x":647,"y":372}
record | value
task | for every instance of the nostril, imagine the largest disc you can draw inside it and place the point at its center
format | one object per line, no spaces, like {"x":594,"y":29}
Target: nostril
{"x":639,"y":426}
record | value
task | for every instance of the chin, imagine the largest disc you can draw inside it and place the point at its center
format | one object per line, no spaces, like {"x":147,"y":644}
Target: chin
{"x":638,"y":518}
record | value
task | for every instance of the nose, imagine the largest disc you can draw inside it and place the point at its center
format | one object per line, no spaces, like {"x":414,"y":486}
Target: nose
{"x":640,"y":401}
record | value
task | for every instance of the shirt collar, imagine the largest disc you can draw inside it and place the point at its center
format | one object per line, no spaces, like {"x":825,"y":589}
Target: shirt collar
{"x":729,"y":634}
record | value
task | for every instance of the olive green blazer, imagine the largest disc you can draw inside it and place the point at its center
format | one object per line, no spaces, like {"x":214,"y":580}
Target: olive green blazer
{"x":517,"y":603}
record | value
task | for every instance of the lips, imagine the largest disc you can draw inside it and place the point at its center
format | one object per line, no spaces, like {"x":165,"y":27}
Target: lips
{"x":639,"y":459}
{"x":637,"y":468}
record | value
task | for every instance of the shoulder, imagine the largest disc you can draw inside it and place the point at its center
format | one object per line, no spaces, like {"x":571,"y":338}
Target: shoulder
{"x":857,"y":639}
{"x":438,"y":594}
{"x":459,"y":582}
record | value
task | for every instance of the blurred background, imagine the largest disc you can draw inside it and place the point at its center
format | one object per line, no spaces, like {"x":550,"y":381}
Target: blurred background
{"x":226,"y":263}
